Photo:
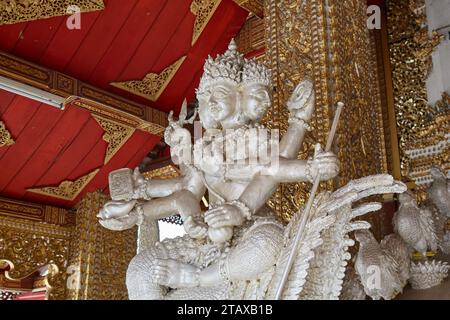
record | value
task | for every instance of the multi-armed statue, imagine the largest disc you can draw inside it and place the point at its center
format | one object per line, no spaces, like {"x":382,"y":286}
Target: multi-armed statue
{"x":238,"y":249}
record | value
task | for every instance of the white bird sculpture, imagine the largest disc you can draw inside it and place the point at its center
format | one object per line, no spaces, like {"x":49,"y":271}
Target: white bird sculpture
{"x":439,"y":192}
{"x":377,"y":268}
{"x":415,"y":225}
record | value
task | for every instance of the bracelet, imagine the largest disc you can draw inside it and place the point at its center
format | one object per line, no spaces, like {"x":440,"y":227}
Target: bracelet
{"x":309,"y":176}
{"x":139,"y":213}
{"x":141,"y":192}
{"x":223,"y":268}
{"x":246,"y":212}
{"x":301,"y":122}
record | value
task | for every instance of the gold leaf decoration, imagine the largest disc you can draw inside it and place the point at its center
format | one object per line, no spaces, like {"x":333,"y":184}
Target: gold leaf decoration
{"x":30,"y":245}
{"x":166,"y":172}
{"x":14,"y":11}
{"x":116,"y":135}
{"x":67,"y":190}
{"x":5,"y":136}
{"x":153,"y":84}
{"x":203,"y":11}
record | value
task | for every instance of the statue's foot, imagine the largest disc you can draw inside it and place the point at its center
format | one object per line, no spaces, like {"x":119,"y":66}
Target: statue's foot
{"x":174,"y":274}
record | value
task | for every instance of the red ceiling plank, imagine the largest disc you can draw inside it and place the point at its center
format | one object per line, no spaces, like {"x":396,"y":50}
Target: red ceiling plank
{"x":227,"y":19}
{"x":66,"y":42}
{"x":99,"y":39}
{"x":34,"y":134}
{"x":61,"y":136}
{"x":6,"y":99}
{"x":141,"y":20}
{"x":144,"y":140}
{"x":17,"y":116}
{"x":10,"y":34}
{"x":36,"y":37}
{"x":156,"y":40}
{"x":89,"y":140}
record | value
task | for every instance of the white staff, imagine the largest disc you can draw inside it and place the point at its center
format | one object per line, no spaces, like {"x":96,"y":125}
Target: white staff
{"x":308,"y":207}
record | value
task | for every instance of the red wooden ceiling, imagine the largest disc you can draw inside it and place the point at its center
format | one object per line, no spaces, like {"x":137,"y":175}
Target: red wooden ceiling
{"x":125,"y":41}
{"x":52,"y":146}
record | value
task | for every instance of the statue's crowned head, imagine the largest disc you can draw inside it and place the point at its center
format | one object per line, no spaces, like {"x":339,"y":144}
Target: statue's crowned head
{"x":233,"y":91}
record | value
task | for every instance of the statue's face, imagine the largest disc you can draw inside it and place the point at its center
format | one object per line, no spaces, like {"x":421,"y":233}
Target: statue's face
{"x":218,"y":104}
{"x":255,"y":101}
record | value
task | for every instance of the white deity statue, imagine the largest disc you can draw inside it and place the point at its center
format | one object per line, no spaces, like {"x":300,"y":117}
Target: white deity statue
{"x":238,"y":249}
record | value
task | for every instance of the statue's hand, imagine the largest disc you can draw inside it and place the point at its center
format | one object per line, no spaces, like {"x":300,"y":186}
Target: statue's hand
{"x":226,"y":215}
{"x":301,"y":103}
{"x":324,"y":164}
{"x":140,"y":185}
{"x":116,"y":209}
{"x":119,"y":215}
{"x":195,"y":228}
{"x":174,"y":274}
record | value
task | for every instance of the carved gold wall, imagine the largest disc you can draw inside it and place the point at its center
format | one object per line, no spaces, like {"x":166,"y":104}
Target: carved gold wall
{"x":99,"y":258}
{"x":328,"y":42}
{"x":30,"y":245}
{"x":423,"y":130}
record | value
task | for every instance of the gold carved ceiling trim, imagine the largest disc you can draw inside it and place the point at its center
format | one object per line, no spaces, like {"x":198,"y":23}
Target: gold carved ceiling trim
{"x":14,"y":11}
{"x":36,"y":212}
{"x":254,"y":6}
{"x":66,"y":190}
{"x":80,"y":94}
{"x":153,"y":84}
{"x":5,"y":136}
{"x":116,"y":135}
{"x":203,"y":10}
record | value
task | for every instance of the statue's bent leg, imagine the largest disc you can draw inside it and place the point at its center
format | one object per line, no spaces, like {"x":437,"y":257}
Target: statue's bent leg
{"x":256,"y":252}
{"x":141,"y":281}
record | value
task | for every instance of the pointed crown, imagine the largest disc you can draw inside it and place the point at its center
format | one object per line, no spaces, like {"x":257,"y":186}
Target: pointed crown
{"x":233,"y":67}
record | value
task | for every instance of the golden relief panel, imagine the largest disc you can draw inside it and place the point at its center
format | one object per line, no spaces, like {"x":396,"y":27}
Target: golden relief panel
{"x":203,"y":10}
{"x":254,"y":6}
{"x":14,"y":11}
{"x":153,"y":84}
{"x":31,"y":245}
{"x":5,"y":136}
{"x":66,"y":190}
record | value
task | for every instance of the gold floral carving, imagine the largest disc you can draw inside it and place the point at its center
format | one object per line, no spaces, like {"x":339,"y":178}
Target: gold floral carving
{"x":67,"y":190}
{"x":99,"y":257}
{"x":332,"y":47}
{"x":14,"y":11}
{"x":5,"y":136}
{"x":116,"y":135}
{"x":153,"y":84}
{"x":203,"y":10}
{"x":410,"y":55}
{"x":31,"y":245}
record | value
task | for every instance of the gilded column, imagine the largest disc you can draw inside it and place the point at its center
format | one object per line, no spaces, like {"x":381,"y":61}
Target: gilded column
{"x":99,"y":257}
{"x":328,"y":42}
